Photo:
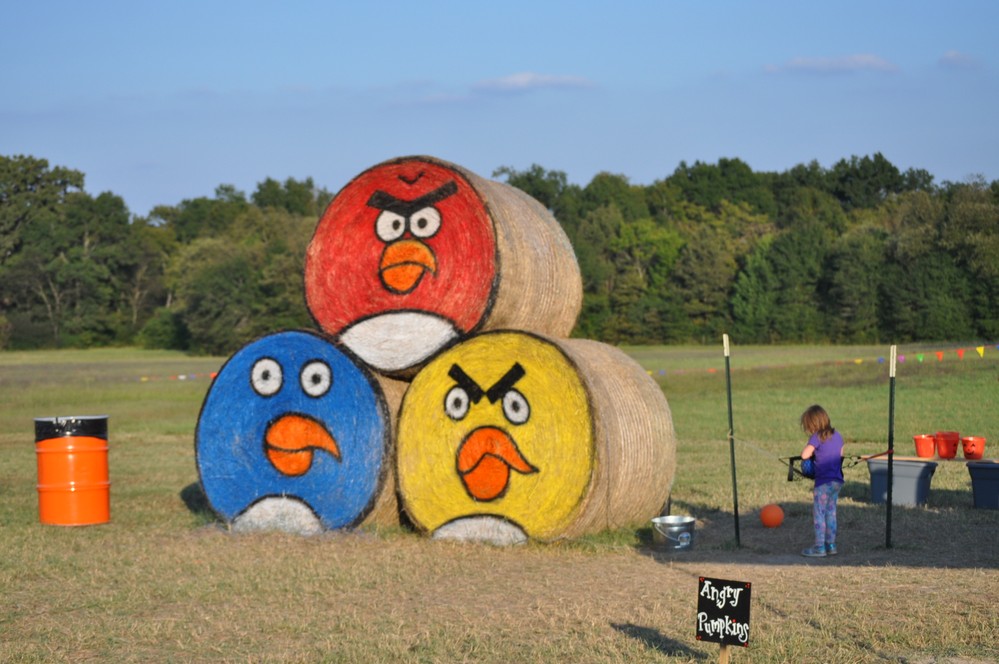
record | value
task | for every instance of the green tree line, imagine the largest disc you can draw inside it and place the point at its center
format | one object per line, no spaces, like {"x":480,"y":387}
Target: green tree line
{"x":857,"y":253}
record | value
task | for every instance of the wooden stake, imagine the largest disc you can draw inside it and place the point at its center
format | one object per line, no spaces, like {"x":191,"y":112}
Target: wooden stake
{"x":731,"y":439}
{"x":891,"y":445}
{"x":724,"y":654}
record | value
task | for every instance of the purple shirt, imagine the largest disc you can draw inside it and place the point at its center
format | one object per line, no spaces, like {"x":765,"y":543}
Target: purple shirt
{"x":828,"y":458}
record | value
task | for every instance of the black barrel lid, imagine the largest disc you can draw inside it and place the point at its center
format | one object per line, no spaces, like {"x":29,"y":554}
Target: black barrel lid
{"x":95,"y":426}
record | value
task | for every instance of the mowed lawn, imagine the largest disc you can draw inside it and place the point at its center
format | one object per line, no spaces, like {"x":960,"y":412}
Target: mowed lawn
{"x":163,"y":581}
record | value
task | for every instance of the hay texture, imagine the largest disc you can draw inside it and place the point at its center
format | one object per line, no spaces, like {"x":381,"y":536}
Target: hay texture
{"x":416,"y":253}
{"x":636,"y":442}
{"x":386,"y":510}
{"x":294,"y":434}
{"x":557,"y":438}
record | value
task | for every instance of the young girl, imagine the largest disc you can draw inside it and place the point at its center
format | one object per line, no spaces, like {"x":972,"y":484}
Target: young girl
{"x":826,"y":445}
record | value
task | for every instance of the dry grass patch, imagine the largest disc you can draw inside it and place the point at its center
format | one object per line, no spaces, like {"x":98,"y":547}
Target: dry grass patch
{"x":164,"y":582}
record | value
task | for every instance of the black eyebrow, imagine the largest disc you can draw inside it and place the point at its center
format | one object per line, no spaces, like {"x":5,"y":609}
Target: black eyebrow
{"x":382,"y":200}
{"x":504,"y":384}
{"x":466,"y":383}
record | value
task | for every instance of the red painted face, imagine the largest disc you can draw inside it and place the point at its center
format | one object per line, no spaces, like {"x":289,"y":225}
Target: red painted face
{"x":410,"y":235}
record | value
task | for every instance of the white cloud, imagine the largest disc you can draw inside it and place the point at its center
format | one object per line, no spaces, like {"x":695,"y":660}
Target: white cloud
{"x":957,"y":60}
{"x":526,"y":81}
{"x":842,"y":65}
{"x":431,"y":94}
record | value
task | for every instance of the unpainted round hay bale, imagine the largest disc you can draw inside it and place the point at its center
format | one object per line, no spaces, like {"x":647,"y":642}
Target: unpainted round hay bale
{"x":295,"y":434}
{"x":416,"y":253}
{"x":556,"y":437}
{"x":637,"y":442}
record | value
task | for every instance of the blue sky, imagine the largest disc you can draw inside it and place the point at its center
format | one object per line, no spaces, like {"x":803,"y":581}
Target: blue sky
{"x":163,"y":101}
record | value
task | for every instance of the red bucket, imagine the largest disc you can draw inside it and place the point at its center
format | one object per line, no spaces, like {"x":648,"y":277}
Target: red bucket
{"x":926,"y":446}
{"x":947,"y":442}
{"x":973,"y":447}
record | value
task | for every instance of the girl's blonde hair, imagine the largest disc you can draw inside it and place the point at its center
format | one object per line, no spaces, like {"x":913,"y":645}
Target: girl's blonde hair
{"x":816,"y":420}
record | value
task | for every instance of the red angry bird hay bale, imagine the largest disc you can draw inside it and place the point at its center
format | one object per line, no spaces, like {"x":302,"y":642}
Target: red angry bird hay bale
{"x":416,"y":253}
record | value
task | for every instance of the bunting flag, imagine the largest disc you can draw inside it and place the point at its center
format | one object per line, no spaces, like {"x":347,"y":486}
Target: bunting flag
{"x":660,"y":372}
{"x":919,"y":357}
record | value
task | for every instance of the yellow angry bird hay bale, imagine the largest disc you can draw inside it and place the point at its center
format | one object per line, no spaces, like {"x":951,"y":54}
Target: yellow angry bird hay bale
{"x":510,"y":436}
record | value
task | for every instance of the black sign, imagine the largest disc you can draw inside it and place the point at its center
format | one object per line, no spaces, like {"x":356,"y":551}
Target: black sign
{"x":723,"y":611}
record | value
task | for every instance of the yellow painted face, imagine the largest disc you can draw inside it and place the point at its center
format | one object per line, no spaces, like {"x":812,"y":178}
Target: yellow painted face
{"x":499,"y":425}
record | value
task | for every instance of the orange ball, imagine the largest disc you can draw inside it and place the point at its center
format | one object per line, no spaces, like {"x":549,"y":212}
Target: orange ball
{"x":772,"y":516}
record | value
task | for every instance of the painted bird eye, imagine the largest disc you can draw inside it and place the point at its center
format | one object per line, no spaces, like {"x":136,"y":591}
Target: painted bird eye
{"x":265,"y":377}
{"x":456,"y":403}
{"x":316,"y":378}
{"x":515,"y":407}
{"x":389,"y":226}
{"x":425,"y":223}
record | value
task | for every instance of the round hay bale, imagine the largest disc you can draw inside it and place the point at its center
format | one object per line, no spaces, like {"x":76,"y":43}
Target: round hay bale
{"x":636,"y":449}
{"x":386,"y":509}
{"x":557,"y":438}
{"x":294,"y":434}
{"x":416,"y":253}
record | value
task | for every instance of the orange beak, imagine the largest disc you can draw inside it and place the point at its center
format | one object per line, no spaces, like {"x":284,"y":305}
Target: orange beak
{"x":403,"y":265}
{"x":485,"y":459}
{"x":291,"y":440}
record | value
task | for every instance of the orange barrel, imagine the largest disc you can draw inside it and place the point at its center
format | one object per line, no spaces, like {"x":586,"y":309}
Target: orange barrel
{"x":73,"y":486}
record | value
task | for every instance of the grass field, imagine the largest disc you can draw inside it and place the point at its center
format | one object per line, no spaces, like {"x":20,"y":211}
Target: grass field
{"x":164,"y":582}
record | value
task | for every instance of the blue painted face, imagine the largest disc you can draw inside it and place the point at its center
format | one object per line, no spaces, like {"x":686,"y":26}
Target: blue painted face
{"x":291,"y":415}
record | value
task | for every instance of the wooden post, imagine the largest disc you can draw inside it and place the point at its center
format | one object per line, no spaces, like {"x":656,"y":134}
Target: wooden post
{"x":724,"y":654}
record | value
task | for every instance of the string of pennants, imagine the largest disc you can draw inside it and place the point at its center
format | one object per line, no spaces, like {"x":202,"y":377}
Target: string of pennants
{"x":919,"y":357}
{"x":938,"y":353}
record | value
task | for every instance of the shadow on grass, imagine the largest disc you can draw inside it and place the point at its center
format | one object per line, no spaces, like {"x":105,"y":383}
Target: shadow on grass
{"x":942,"y":534}
{"x":197,"y":502}
{"x":655,"y":640}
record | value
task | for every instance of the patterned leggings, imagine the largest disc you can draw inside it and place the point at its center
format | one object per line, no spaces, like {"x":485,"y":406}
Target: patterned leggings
{"x":824,"y":512}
